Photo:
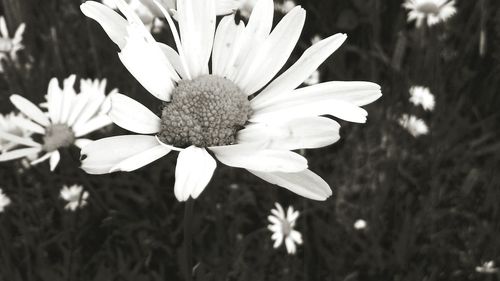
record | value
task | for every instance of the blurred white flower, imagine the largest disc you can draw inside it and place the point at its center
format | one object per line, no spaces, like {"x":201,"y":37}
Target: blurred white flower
{"x":487,"y":267}
{"x":285,"y":7}
{"x":10,"y":46}
{"x":259,"y":135}
{"x":245,"y":7}
{"x":143,"y":11}
{"x":75,"y":196}
{"x":430,"y":12}
{"x":313,"y":79}
{"x":4,"y":201}
{"x":70,"y":116}
{"x":9,"y":125}
{"x":222,"y":7}
{"x":360,"y":224}
{"x":316,"y":38}
{"x":422,"y":96}
{"x":282,"y":225}
{"x":415,"y":126}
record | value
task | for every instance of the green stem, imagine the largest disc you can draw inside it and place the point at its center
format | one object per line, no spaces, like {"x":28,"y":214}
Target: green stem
{"x":188,"y":238}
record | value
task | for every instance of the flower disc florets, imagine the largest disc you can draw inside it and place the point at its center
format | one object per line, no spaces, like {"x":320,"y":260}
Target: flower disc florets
{"x":206,"y":111}
{"x":57,"y":136}
{"x":428,"y":8}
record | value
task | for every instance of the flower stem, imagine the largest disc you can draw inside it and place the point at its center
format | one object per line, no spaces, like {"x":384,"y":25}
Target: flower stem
{"x":188,"y":238}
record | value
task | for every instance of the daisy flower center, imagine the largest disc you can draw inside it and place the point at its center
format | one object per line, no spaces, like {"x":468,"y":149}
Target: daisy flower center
{"x":286,"y":227}
{"x":206,"y":111}
{"x":428,"y":8}
{"x":57,"y":136}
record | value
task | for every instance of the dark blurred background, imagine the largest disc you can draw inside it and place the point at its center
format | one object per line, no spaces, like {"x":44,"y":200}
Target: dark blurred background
{"x":431,"y":204}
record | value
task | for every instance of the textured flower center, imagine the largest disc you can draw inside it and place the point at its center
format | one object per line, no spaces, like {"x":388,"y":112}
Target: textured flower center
{"x":428,"y":8}
{"x":286,"y":228}
{"x":5,"y":45}
{"x":206,"y":111}
{"x":57,"y":136}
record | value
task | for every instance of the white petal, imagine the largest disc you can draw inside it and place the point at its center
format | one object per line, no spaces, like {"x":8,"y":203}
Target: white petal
{"x":304,"y":183}
{"x":147,"y":63}
{"x":273,"y":219}
{"x":264,"y":160}
{"x":193,"y":172}
{"x":30,"y":110}
{"x":18,"y":153}
{"x":17,"y":139}
{"x":304,"y":104}
{"x":224,"y":43}
{"x":197,"y":28}
{"x":80,"y":143}
{"x":102,"y":155}
{"x":92,"y":125}
{"x":141,"y":159}
{"x":69,"y":96}
{"x":358,"y":93}
{"x":296,"y":236}
{"x":54,"y":160}
{"x":174,"y":58}
{"x":112,"y":23}
{"x":278,"y":241}
{"x":290,"y":246}
{"x":300,"y":70}
{"x":54,"y":101}
{"x":28,"y":125}
{"x":273,"y":53}
{"x":41,"y":159}
{"x":224,"y":7}
{"x":133,"y":116}
{"x":308,"y":132}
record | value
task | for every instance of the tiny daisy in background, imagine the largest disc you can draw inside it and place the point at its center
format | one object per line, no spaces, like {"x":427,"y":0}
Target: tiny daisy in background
{"x":4,"y":201}
{"x":9,"y":125}
{"x":487,"y":267}
{"x":10,"y":46}
{"x":430,"y":12}
{"x":205,"y":111}
{"x":70,"y":116}
{"x":360,"y":224}
{"x":285,"y":7}
{"x":282,"y":225}
{"x":422,"y":96}
{"x":75,"y":196}
{"x":316,"y":38}
{"x":415,"y":126}
{"x":313,"y":79}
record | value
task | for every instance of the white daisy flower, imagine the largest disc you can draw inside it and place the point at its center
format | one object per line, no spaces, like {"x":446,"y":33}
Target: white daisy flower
{"x":430,"y":12}
{"x":75,"y":196}
{"x":415,"y":126}
{"x":8,"y":124}
{"x":487,"y":267}
{"x":360,"y":224}
{"x":282,"y":225}
{"x":313,"y":79}
{"x":70,"y":117}
{"x":285,"y":7}
{"x":10,"y":46}
{"x":204,"y":110}
{"x":422,"y":96}
{"x":4,"y":201}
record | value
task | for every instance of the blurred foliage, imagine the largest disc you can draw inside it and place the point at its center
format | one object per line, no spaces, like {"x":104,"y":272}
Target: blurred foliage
{"x":431,"y":204}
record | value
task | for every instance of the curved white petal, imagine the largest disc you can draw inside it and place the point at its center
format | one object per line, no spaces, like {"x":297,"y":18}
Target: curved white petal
{"x":264,"y":160}
{"x":18,"y":153}
{"x":92,"y":125}
{"x":54,"y":160}
{"x":30,"y":110}
{"x":226,"y":37}
{"x":80,"y":143}
{"x":312,"y":58}
{"x":273,"y":53}
{"x":100,"y":156}
{"x":133,"y":116}
{"x":69,"y":97}
{"x":339,"y":99}
{"x":308,"y":132}
{"x":304,"y":183}
{"x":113,"y":24}
{"x":141,"y":159}
{"x":54,"y":101}
{"x":28,"y":125}
{"x":20,"y":140}
{"x":174,"y":58}
{"x":42,"y":159}
{"x":197,"y":28}
{"x":193,"y":172}
{"x":147,"y":63}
